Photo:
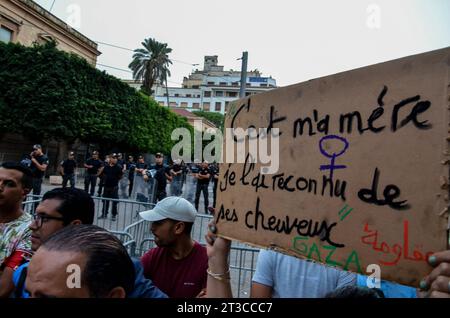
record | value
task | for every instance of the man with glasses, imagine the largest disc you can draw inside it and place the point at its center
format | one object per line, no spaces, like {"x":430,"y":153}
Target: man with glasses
{"x":60,"y":208}
{"x":15,"y":244}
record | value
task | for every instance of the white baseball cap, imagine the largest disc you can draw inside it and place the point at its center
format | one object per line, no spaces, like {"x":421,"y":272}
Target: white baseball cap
{"x":175,"y":208}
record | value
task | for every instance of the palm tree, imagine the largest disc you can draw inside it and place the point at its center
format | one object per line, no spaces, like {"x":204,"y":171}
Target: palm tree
{"x":151,"y":64}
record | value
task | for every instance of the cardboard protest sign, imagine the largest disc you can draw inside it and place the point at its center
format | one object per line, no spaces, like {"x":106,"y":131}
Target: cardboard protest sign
{"x":363,"y":168}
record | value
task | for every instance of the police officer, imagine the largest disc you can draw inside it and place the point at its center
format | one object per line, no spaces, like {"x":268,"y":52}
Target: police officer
{"x":176,"y":171}
{"x":203,"y":177}
{"x":130,"y":166}
{"x":112,"y":173}
{"x":68,"y":170}
{"x":39,"y":164}
{"x":92,"y":166}
{"x":161,"y":175}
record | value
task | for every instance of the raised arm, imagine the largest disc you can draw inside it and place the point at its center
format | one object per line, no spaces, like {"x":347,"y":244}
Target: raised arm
{"x":218,"y":283}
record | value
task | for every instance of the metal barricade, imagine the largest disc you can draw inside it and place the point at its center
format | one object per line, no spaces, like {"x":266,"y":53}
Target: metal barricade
{"x":127,"y":212}
{"x":127,"y":240}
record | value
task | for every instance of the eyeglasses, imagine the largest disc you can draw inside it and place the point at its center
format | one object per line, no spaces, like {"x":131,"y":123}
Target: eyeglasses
{"x":39,"y":219}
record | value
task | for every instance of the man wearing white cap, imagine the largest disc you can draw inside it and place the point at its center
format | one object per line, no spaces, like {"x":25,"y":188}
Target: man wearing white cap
{"x":178,"y":264}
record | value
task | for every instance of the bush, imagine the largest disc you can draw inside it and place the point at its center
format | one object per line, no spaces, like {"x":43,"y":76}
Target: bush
{"x":47,"y":93}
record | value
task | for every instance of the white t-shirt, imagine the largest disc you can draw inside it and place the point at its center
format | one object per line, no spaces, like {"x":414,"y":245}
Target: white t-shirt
{"x":291,"y":277}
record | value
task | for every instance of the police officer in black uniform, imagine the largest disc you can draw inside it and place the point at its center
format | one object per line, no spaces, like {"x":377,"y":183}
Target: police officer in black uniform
{"x":93,"y":166}
{"x":38,"y":165}
{"x":130,"y":166}
{"x":68,"y":170}
{"x":161,"y":175}
{"x":203,"y":177}
{"x":112,"y":173}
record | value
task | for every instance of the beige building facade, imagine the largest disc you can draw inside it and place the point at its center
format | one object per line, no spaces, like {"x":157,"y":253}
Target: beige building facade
{"x":25,"y":22}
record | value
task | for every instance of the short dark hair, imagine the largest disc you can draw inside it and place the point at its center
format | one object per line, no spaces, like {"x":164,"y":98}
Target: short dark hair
{"x":352,"y":291}
{"x":188,"y":227}
{"x":27,"y":174}
{"x":108,"y":264}
{"x":76,"y":204}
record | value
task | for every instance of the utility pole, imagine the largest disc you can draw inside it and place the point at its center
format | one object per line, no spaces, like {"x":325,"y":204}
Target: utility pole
{"x":243,"y":74}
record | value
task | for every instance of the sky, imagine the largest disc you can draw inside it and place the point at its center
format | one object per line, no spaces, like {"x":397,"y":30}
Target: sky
{"x":290,"y":40}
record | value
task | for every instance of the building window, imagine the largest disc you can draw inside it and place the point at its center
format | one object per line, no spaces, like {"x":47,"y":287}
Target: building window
{"x":196,"y":105}
{"x":184,"y":104}
{"x":173,"y":104}
{"x":195,"y":86}
{"x":247,"y":94}
{"x":177,"y":95}
{"x":206,"y":106}
{"x":5,"y":34}
{"x":218,"y":106}
{"x":219,"y":94}
{"x":211,"y":83}
{"x":207,"y":94}
{"x":235,"y":84}
{"x":223,"y":83}
{"x":188,"y":95}
{"x":161,"y":103}
{"x":231,"y":94}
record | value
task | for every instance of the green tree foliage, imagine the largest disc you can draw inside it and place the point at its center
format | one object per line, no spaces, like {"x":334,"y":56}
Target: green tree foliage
{"x":216,"y":118}
{"x":46,"y":93}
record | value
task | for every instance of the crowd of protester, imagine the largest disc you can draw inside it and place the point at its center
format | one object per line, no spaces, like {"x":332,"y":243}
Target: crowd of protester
{"x":40,"y":252}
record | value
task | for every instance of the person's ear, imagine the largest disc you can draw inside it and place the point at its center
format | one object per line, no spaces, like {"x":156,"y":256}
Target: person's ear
{"x":76,"y":222}
{"x":179,"y":228}
{"x":117,"y":292}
